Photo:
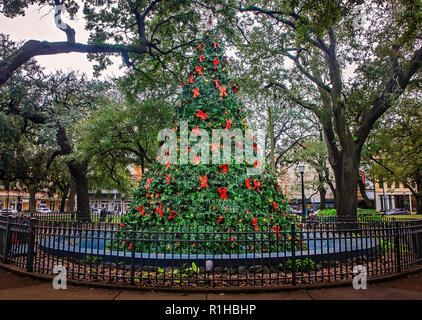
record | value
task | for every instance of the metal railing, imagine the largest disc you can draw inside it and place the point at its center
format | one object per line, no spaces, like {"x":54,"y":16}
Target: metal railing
{"x":206,"y":256}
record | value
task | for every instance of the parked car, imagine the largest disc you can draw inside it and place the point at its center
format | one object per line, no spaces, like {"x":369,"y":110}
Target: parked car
{"x":397,"y":211}
{"x":8,"y":211}
{"x":44,"y":210}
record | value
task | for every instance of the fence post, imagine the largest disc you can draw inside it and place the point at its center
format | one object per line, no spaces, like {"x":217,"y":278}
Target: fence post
{"x":132,"y":260}
{"x":31,"y":241}
{"x":293,"y":246}
{"x":7,"y":240}
{"x":397,"y":245}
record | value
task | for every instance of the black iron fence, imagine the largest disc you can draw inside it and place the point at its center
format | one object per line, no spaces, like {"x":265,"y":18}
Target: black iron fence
{"x":73,"y":216}
{"x":324,"y":250}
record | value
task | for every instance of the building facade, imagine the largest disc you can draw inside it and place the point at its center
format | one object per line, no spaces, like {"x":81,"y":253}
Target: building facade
{"x":392,"y":195}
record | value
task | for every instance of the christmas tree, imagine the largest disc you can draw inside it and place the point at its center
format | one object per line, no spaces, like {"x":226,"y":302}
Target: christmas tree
{"x":198,"y":196}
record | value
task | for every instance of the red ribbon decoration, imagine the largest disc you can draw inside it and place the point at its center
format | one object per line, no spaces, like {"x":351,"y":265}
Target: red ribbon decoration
{"x":141,"y":211}
{"x":167,"y":165}
{"x":201,"y":115}
{"x":276,"y":230}
{"x":191,"y":79}
{"x":228,"y":124}
{"x":149,"y":183}
{"x":223,"y":192}
{"x":275,"y":204}
{"x":173,"y":213}
{"x":195,"y":92}
{"x":215,"y":44}
{"x":219,"y":219}
{"x":255,"y":223}
{"x":168,"y":179}
{"x":247,"y":181}
{"x":201,"y":45}
{"x":225,"y":168}
{"x":216,"y":62}
{"x":217,"y":83}
{"x":198,"y":69}
{"x":223,"y":91}
{"x":122,"y":225}
{"x":256,"y":184}
{"x":204,"y":183}
{"x":201,"y":57}
{"x":159,"y":210}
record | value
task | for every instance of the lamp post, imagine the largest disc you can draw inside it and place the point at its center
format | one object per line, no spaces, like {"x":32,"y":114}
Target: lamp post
{"x":302,"y":170}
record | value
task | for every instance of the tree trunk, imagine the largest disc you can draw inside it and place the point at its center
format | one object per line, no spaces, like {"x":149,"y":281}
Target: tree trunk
{"x":32,"y":201}
{"x":64,"y":197}
{"x":71,"y":199}
{"x":78,"y":173}
{"x":346,"y":169}
{"x":362,"y":189}
{"x":322,"y":192}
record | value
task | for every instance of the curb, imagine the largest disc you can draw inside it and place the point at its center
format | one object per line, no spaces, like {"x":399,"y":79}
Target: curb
{"x":257,"y":289}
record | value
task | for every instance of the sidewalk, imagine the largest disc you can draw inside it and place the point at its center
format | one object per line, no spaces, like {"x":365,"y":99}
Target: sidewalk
{"x":15,"y":287}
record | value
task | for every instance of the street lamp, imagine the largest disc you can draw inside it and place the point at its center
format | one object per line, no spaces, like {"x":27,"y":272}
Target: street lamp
{"x":302,"y":170}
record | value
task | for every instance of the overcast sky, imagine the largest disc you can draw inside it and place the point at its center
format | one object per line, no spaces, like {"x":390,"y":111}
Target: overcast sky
{"x":39,"y":25}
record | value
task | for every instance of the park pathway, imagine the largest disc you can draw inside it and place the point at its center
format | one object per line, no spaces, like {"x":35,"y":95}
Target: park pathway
{"x":16,"y":287}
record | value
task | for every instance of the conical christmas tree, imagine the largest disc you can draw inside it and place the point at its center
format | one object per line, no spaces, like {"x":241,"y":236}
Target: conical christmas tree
{"x":197,"y":196}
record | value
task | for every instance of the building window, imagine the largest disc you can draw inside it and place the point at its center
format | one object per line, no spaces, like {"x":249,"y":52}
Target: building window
{"x":389,"y":184}
{"x":381,"y":184}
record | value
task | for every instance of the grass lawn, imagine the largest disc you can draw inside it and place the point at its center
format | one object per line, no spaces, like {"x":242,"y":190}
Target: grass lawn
{"x":406,"y":216}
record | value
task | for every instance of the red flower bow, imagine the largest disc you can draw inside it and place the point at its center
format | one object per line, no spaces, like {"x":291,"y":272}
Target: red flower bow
{"x":255,"y":223}
{"x":159,"y":210}
{"x":276,"y":230}
{"x":275,"y":204}
{"x":141,"y":211}
{"x":167,"y":165}
{"x":172,"y":214}
{"x":216,"y":62}
{"x":168,"y":179}
{"x":247,"y":181}
{"x":200,"y":46}
{"x":204,"y":183}
{"x":256,"y":184}
{"x":217,"y":83}
{"x":195,"y":92}
{"x":222,"y":192}
{"x":148,"y":183}
{"x":201,"y":115}
{"x":198,"y":69}
{"x":219,"y":219}
{"x":196,"y":131}
{"x":228,"y":124}
{"x":223,"y":91}
{"x":201,"y":57}
{"x":191,"y":79}
{"x":225,"y":168}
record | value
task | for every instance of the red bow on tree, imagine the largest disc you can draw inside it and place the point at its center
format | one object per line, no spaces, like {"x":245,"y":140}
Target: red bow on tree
{"x":217,"y":83}
{"x":247,"y":181}
{"x":195,"y":92}
{"x":159,"y":210}
{"x":168,"y":179}
{"x":256,"y":184}
{"x":201,"y":115}
{"x":148,"y":183}
{"x":204,"y":183}
{"x":276,"y":230}
{"x":167,"y":165}
{"x":141,"y":210}
{"x":223,"y":91}
{"x":255,"y":223}
{"x":172,"y":214}
{"x":196,"y":131}
{"x":219,"y":219}
{"x":275,"y":204}
{"x":198,"y":69}
{"x":228,"y":124}
{"x":200,"y":46}
{"x":216,"y":62}
{"x":222,"y":192}
{"x":225,"y":168}
{"x":191,"y":78}
{"x":201,"y":57}
{"x":215,"y":44}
